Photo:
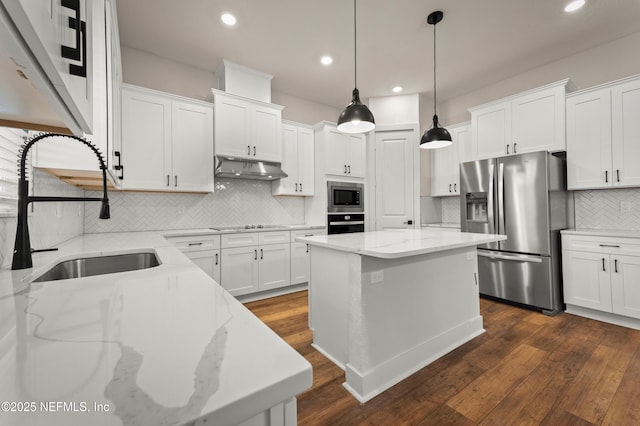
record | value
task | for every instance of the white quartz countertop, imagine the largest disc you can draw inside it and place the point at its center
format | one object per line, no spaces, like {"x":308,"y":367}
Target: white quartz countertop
{"x":602,"y":232}
{"x":217,"y":230}
{"x":160,"y":346}
{"x":391,"y":244}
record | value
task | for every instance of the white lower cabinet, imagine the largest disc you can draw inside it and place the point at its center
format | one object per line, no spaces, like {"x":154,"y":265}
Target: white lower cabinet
{"x":300,"y":259}
{"x":602,"y":277}
{"x":255,"y":261}
{"x":203,"y":250}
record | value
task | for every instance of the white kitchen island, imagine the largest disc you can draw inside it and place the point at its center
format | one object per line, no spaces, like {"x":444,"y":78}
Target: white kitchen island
{"x":384,"y":304}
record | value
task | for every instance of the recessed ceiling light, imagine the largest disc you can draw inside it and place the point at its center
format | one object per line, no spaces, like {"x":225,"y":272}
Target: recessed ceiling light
{"x":397,"y":89}
{"x":228,"y":19}
{"x":574,"y":5}
{"x":326,"y":60}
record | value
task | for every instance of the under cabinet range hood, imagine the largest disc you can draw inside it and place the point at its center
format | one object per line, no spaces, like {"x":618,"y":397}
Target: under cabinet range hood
{"x":240,"y":168}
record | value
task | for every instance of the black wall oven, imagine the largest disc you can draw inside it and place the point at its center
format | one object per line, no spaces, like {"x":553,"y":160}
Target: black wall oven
{"x":345,"y":223}
{"x":345,"y":197}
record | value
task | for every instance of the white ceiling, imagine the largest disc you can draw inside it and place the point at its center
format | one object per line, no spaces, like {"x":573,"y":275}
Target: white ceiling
{"x":479,"y":42}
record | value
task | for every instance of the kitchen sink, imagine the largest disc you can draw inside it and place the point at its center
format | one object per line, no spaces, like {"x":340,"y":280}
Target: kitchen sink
{"x":100,"y":265}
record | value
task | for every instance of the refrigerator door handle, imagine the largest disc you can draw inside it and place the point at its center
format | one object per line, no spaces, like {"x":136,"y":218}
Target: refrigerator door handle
{"x":490,"y":202}
{"x":501,"y":224}
{"x":512,"y":257}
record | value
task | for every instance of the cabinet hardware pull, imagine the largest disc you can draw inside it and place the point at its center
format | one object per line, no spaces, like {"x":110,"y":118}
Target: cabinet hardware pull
{"x":449,"y":187}
{"x":615,"y":265}
{"x":507,"y":148}
{"x":603,"y":264}
{"x":216,"y":258}
{"x":168,"y":177}
{"x":610,"y":245}
{"x":606,"y":176}
{"x":261,"y":254}
{"x":254,"y":150}
{"x":255,"y":255}
{"x":514,"y":147}
{"x":618,"y":174}
{"x":248,"y":149}
{"x":119,"y":166}
{"x":307,"y":248}
{"x":195,"y":244}
{"x":454,"y":187}
{"x":349,"y":166}
{"x":345,"y":168}
{"x":296,"y":187}
{"x":308,"y":235}
{"x":79,"y":52}
{"x":175,"y":180}
{"x":300,"y":186}
{"x":409,"y":222}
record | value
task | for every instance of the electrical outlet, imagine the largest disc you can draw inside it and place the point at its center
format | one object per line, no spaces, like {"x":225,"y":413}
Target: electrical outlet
{"x":625,"y":206}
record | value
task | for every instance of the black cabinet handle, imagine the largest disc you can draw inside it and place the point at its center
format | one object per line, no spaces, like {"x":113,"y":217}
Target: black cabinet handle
{"x":603,"y":264}
{"x":216,"y":258}
{"x":254,"y":150}
{"x":507,"y":148}
{"x":618,"y":175}
{"x":454,"y":187}
{"x":610,"y":245}
{"x":615,"y":265}
{"x":195,"y":244}
{"x":307,"y":248}
{"x":119,"y":167}
{"x":300,"y":186}
{"x":261,"y":254}
{"x":606,"y":176}
{"x":255,"y":255}
{"x":345,"y":169}
{"x":78,"y":53}
{"x":248,"y":149}
{"x":296,"y":187}
{"x":175,"y":180}
{"x":168,"y":177}
{"x":349,"y":169}
{"x":514,"y":147}
{"x":449,"y":187}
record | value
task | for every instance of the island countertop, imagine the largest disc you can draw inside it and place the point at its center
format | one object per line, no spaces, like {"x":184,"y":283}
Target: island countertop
{"x":397,"y":243}
{"x":165,"y":345}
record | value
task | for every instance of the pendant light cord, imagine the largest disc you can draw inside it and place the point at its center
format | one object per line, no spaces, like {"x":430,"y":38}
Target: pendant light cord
{"x":434,"y":70}
{"x":355,"y":46}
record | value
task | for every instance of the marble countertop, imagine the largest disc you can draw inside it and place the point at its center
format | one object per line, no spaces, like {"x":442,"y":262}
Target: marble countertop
{"x":602,"y":232}
{"x":397,"y":243}
{"x":217,"y":230}
{"x":451,"y":225}
{"x":160,"y":346}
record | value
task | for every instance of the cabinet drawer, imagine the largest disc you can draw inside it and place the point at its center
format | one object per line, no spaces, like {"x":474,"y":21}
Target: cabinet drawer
{"x":306,"y":233}
{"x":274,"y":237}
{"x":601,"y":244}
{"x":196,"y":243}
{"x":242,"y":239}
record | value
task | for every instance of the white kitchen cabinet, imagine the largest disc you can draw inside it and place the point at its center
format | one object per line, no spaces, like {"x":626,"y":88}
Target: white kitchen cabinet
{"x":167,"y":142}
{"x":445,"y":162}
{"x":255,"y":261}
{"x":297,"y":161}
{"x":344,"y":154}
{"x":203,"y":250}
{"x":245,"y":128}
{"x":526,"y":122}
{"x":300,"y":260}
{"x":602,"y":277}
{"x":602,"y":136}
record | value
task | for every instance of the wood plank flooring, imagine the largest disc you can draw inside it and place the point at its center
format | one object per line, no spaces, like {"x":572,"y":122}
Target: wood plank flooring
{"x":527,"y":369}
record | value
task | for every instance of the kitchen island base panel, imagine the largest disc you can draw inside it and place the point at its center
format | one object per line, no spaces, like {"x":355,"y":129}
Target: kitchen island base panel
{"x":384,"y":319}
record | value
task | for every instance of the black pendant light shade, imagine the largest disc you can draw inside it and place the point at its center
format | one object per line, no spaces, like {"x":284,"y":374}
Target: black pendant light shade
{"x":435,"y":137}
{"x":356,"y":117}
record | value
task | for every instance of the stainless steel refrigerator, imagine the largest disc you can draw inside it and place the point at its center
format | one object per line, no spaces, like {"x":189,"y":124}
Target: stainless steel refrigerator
{"x":523,"y":197}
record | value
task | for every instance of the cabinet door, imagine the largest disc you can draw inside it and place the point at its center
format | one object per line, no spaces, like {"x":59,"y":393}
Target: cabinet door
{"x":266,"y":133}
{"x":491,"y":130}
{"x":192,"y":147}
{"x":240,"y":270}
{"x":589,"y":140}
{"x":275,"y":266}
{"x":288,"y":185}
{"x":208,"y":261}
{"x":442,"y":167}
{"x":625,"y":285}
{"x":625,"y":109}
{"x":335,"y":161}
{"x":299,"y":263}
{"x":306,"y":169}
{"x":232,"y":128}
{"x":146,"y":147}
{"x":355,"y":154}
{"x":462,"y":141}
{"x":587,"y":280}
{"x":538,"y":122}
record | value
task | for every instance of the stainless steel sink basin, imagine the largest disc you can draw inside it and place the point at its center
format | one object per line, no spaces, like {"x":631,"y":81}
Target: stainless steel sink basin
{"x":100,"y":265}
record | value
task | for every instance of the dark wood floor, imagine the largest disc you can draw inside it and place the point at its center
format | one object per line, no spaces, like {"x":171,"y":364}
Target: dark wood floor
{"x":527,"y":369}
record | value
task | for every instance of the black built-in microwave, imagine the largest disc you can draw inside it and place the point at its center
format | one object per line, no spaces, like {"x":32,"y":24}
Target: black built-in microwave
{"x":345,"y":197}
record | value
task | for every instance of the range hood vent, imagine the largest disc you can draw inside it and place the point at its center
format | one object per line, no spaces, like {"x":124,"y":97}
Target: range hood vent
{"x":239,"y":168}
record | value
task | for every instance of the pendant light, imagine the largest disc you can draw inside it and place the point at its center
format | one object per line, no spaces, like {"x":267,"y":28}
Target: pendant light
{"x":435,"y":137}
{"x":356,"y":117}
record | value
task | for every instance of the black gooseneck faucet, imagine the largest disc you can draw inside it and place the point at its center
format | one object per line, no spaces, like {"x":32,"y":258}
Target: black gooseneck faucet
{"x":22,"y":248}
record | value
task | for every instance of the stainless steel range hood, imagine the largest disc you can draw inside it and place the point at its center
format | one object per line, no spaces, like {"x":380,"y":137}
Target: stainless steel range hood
{"x":240,"y":168}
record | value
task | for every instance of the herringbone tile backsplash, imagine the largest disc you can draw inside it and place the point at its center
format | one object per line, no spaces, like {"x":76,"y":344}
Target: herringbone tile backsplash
{"x":600,"y":209}
{"x":234,"y":202}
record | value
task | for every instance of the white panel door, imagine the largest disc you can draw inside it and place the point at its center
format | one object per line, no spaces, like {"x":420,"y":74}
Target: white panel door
{"x":625,"y":285}
{"x":289,"y":185}
{"x":240,"y":270}
{"x":266,"y":133}
{"x":275,"y":266}
{"x":394,"y":179}
{"x":306,"y":169}
{"x":208,"y":261}
{"x":442,"y":170}
{"x":232,"y":117}
{"x":335,"y":161}
{"x":355,"y":153}
{"x":625,"y":111}
{"x":192,"y":146}
{"x":589,"y":140}
{"x":587,"y":280}
{"x":299,"y":263}
{"x":146,"y":140}
{"x":538,"y":122}
{"x":491,"y":130}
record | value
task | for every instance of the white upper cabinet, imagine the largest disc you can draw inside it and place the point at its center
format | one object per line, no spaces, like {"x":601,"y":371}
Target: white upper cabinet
{"x":297,"y":161}
{"x":344,"y":154}
{"x":527,"y":122}
{"x":445,"y":162}
{"x":603,"y":131}
{"x":167,"y":142}
{"x":245,"y":128}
